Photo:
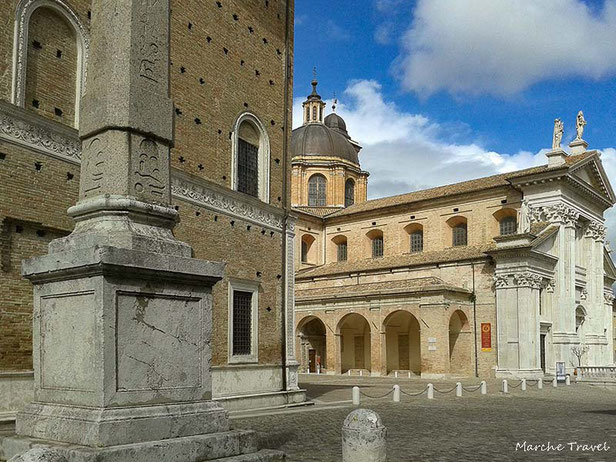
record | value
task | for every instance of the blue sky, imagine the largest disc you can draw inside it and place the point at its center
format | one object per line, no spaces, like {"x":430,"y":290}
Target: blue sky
{"x":439,"y":91}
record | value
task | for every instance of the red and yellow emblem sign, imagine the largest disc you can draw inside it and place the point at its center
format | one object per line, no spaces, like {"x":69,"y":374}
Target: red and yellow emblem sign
{"x":486,"y":336}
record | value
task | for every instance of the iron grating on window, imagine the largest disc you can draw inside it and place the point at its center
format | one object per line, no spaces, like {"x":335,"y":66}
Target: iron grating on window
{"x":317,"y":195}
{"x":459,"y":235}
{"x":242,"y":323}
{"x":377,"y":247}
{"x":342,"y":251}
{"x":248,"y":168}
{"x":508,"y":225}
{"x":417,"y":241}
{"x":349,"y":193}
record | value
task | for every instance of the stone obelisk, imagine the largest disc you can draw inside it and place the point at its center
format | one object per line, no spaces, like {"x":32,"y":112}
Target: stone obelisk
{"x":122,"y":313}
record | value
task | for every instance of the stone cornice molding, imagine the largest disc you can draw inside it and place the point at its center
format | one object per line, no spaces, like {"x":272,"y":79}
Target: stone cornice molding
{"x":19,"y":126}
{"x":557,"y":213}
{"x":225,"y":203}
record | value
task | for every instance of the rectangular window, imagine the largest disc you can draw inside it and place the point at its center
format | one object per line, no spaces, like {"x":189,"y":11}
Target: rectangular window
{"x":459,"y":235}
{"x":242,"y":323}
{"x":417,"y":241}
{"x":248,"y":168}
{"x":342,"y":251}
{"x":377,"y":247}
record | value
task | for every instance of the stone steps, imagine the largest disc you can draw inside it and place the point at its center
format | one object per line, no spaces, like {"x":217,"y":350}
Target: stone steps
{"x":264,"y":455}
{"x":231,"y":446}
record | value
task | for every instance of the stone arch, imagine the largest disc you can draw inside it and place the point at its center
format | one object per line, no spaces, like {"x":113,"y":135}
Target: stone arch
{"x":402,"y":342}
{"x":460,"y":344}
{"x":339,"y":248}
{"x":375,"y":244}
{"x":248,"y":127}
{"x":308,"y":249}
{"x":413,"y":237}
{"x":580,"y":320}
{"x":23,"y":13}
{"x":355,"y":348}
{"x":311,"y":332}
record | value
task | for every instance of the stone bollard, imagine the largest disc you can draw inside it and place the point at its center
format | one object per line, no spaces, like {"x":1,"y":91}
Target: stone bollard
{"x":484,"y":387}
{"x":363,"y":437}
{"x":361,"y":372}
{"x":396,"y":393}
{"x":568,"y":380}
{"x":554,"y":382}
{"x":356,"y":396}
{"x":523,"y":384}
{"x":409,"y":374}
{"x":540,"y":384}
{"x":396,"y":374}
{"x":505,"y":386}
{"x":39,"y":455}
{"x":430,"y":391}
{"x":458,"y":389}
{"x":349,"y":372}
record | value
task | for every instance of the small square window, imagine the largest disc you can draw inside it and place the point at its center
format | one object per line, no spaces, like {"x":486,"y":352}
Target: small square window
{"x":59,"y":54}
{"x":37,"y":45}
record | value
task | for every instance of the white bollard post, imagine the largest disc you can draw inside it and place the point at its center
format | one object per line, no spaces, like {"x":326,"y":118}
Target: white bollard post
{"x":505,"y":386}
{"x":568,"y":380}
{"x":396,"y":393}
{"x":356,"y":396}
{"x":458,"y":389}
{"x":363,"y":437}
{"x":361,"y":372}
{"x":540,"y":384}
{"x":430,"y":391}
{"x":396,"y":374}
{"x":523,"y":384}
{"x":554,"y":382}
{"x":349,"y":372}
{"x":409,"y":374}
{"x":484,"y":387}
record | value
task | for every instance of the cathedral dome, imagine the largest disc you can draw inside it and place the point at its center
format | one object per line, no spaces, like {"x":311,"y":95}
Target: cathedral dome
{"x":317,"y":139}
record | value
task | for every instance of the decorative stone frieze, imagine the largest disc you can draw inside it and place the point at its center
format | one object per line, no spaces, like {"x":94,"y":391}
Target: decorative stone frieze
{"x":527,"y":279}
{"x":549,"y":285}
{"x":23,"y":129}
{"x":609,"y":296}
{"x":558,"y":213}
{"x":523,"y":279}
{"x":501,"y":280}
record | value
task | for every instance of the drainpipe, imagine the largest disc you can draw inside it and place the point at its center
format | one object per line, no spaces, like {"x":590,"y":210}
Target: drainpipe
{"x":288,"y":125}
{"x":474,"y":298}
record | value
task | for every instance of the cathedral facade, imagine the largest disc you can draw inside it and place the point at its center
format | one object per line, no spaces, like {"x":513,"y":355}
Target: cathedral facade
{"x":231,"y":86}
{"x":505,"y":275}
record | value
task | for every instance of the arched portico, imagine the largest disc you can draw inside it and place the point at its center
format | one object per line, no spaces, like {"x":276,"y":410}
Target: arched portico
{"x":460,"y":344}
{"x":311,"y":334}
{"x":354,"y":343}
{"x":402,"y":343}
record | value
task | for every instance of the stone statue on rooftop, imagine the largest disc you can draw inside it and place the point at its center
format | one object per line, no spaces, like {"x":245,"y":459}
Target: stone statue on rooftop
{"x":559,"y":128}
{"x":579,"y":125}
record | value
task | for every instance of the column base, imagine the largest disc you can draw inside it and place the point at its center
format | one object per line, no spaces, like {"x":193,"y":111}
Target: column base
{"x":230,"y":446}
{"x":101,"y":427}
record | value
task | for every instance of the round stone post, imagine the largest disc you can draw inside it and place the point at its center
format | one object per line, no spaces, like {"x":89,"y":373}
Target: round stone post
{"x":356,"y":396}
{"x":540,"y":384}
{"x":363,"y":437}
{"x":396,"y":374}
{"x":396,"y":393}
{"x":484,"y":387}
{"x":430,"y":391}
{"x":568,"y":380}
{"x":458,"y":389}
{"x":505,"y":386}
{"x":523,"y":384}
{"x":554,"y":382}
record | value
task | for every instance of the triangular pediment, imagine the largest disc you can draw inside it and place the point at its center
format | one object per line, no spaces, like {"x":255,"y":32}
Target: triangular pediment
{"x":592,"y":174}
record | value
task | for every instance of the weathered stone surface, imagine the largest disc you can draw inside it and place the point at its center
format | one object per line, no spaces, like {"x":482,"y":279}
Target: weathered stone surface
{"x":363,"y":437}
{"x":40,"y":455}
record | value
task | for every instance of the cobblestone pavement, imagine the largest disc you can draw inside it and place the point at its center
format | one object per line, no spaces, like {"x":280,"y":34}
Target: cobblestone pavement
{"x":470,"y":428}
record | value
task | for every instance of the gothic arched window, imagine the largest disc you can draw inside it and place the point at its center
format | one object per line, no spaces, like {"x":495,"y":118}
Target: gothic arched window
{"x":317,"y":194}
{"x":251,"y":153}
{"x":349,"y":193}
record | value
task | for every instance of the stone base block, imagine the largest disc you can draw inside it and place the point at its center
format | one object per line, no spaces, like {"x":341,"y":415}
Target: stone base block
{"x":519,"y":374}
{"x":116,"y":426}
{"x":226,"y":446}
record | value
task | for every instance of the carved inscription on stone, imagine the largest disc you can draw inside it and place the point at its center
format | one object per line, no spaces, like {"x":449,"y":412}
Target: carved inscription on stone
{"x":150,"y":54}
{"x":94,"y":166}
{"x":148,"y":177}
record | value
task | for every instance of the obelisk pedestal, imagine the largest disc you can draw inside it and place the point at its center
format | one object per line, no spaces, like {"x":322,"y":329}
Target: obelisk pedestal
{"x":122,"y":313}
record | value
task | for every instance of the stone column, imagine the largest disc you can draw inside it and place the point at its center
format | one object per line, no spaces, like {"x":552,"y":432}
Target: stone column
{"x":122,"y":313}
{"x":291,"y":363}
{"x":608,"y":303}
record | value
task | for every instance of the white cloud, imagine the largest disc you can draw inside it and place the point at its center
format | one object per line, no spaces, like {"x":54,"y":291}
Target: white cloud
{"x":404,"y":151}
{"x":502,"y":47}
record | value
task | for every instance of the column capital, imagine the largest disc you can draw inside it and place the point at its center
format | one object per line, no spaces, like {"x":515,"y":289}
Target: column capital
{"x":557,"y":213}
{"x":595,"y":230}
